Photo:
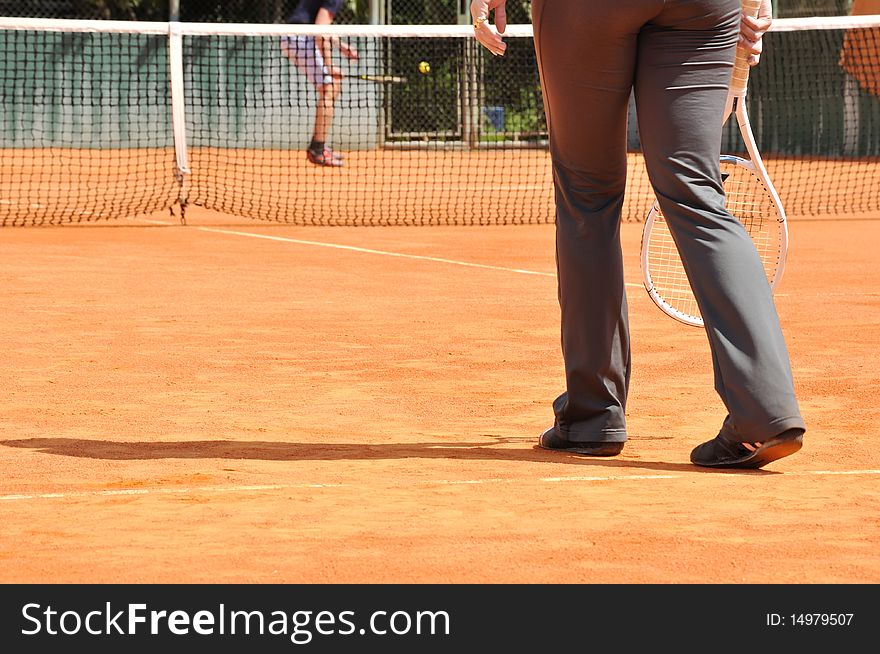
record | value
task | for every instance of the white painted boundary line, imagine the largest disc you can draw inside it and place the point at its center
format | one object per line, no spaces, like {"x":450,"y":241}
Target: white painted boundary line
{"x":161,"y":491}
{"x":832,"y":472}
{"x":837,"y":294}
{"x":452,"y":262}
{"x":385,"y":253}
{"x":441,"y":482}
{"x":609,"y":478}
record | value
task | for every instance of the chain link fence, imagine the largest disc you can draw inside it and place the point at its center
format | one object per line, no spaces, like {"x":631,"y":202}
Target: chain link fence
{"x":393,"y":12}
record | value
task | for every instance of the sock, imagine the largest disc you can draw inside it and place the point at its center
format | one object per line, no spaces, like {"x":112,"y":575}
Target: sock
{"x":317,"y":146}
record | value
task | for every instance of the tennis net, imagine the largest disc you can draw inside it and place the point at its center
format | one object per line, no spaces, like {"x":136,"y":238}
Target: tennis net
{"x":106,"y":119}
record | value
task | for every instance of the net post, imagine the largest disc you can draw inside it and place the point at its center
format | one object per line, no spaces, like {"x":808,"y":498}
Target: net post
{"x":377,"y":12}
{"x":383,"y":54}
{"x":470,"y":98}
{"x":467,"y":104}
{"x":178,"y":112}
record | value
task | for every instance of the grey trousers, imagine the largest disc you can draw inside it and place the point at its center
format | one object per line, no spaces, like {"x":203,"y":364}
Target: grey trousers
{"x":677,"y":56}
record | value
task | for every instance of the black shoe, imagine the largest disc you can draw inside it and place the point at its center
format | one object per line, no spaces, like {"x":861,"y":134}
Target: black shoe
{"x":723,"y":453}
{"x":551,"y":440}
{"x":326,"y":157}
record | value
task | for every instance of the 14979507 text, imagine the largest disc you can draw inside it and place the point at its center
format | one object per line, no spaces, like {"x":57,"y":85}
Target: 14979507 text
{"x":809,"y":619}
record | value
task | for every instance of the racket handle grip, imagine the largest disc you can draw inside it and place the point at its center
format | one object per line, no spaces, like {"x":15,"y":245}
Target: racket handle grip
{"x":740,"y":77}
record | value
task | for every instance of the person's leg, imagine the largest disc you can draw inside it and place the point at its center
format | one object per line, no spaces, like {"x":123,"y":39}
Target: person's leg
{"x":586,"y":51}
{"x":304,"y":54}
{"x":685,"y":61}
{"x":328,"y":92}
{"x":328,"y":88}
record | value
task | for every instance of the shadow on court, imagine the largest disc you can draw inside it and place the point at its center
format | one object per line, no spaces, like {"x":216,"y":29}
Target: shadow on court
{"x":274,"y":451}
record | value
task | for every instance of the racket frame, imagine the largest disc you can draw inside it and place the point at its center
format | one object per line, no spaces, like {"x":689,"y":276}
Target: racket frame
{"x":655,"y":215}
{"x":383,"y":79}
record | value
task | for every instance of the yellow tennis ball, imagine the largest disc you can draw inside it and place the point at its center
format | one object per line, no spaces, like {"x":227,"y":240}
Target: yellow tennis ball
{"x":424,"y":67}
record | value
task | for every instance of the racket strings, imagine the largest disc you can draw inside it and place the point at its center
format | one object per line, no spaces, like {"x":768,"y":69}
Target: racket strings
{"x":747,"y":199}
{"x":670,"y":282}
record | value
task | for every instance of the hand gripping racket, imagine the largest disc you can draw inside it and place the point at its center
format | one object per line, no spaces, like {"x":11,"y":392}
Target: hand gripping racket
{"x":749,"y":196}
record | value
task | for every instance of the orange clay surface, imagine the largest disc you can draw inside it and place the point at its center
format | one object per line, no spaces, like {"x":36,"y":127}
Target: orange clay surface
{"x":237,"y":401}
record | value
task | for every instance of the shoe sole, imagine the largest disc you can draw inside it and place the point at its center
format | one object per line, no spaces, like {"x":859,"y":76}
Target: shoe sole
{"x":577,"y":450}
{"x":605,"y":450}
{"x":772,"y":450}
{"x":334,"y":161}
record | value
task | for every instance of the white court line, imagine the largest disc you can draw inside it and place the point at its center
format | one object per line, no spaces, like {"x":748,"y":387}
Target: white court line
{"x":443,"y":482}
{"x":152,"y":222}
{"x":161,"y":491}
{"x":832,"y":472}
{"x":386,"y":253}
{"x":552,"y":480}
{"x":814,"y":295}
{"x":610,"y":478}
{"x":453,"y":262}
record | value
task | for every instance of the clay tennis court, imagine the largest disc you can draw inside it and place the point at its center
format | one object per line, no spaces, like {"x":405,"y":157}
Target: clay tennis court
{"x":234,"y":400}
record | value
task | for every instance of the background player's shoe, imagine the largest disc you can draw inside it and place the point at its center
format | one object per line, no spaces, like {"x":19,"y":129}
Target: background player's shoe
{"x":324,"y":158}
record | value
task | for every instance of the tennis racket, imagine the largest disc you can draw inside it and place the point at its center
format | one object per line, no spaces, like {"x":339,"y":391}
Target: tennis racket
{"x":380,"y":79}
{"x":383,"y":79}
{"x":749,"y":196}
